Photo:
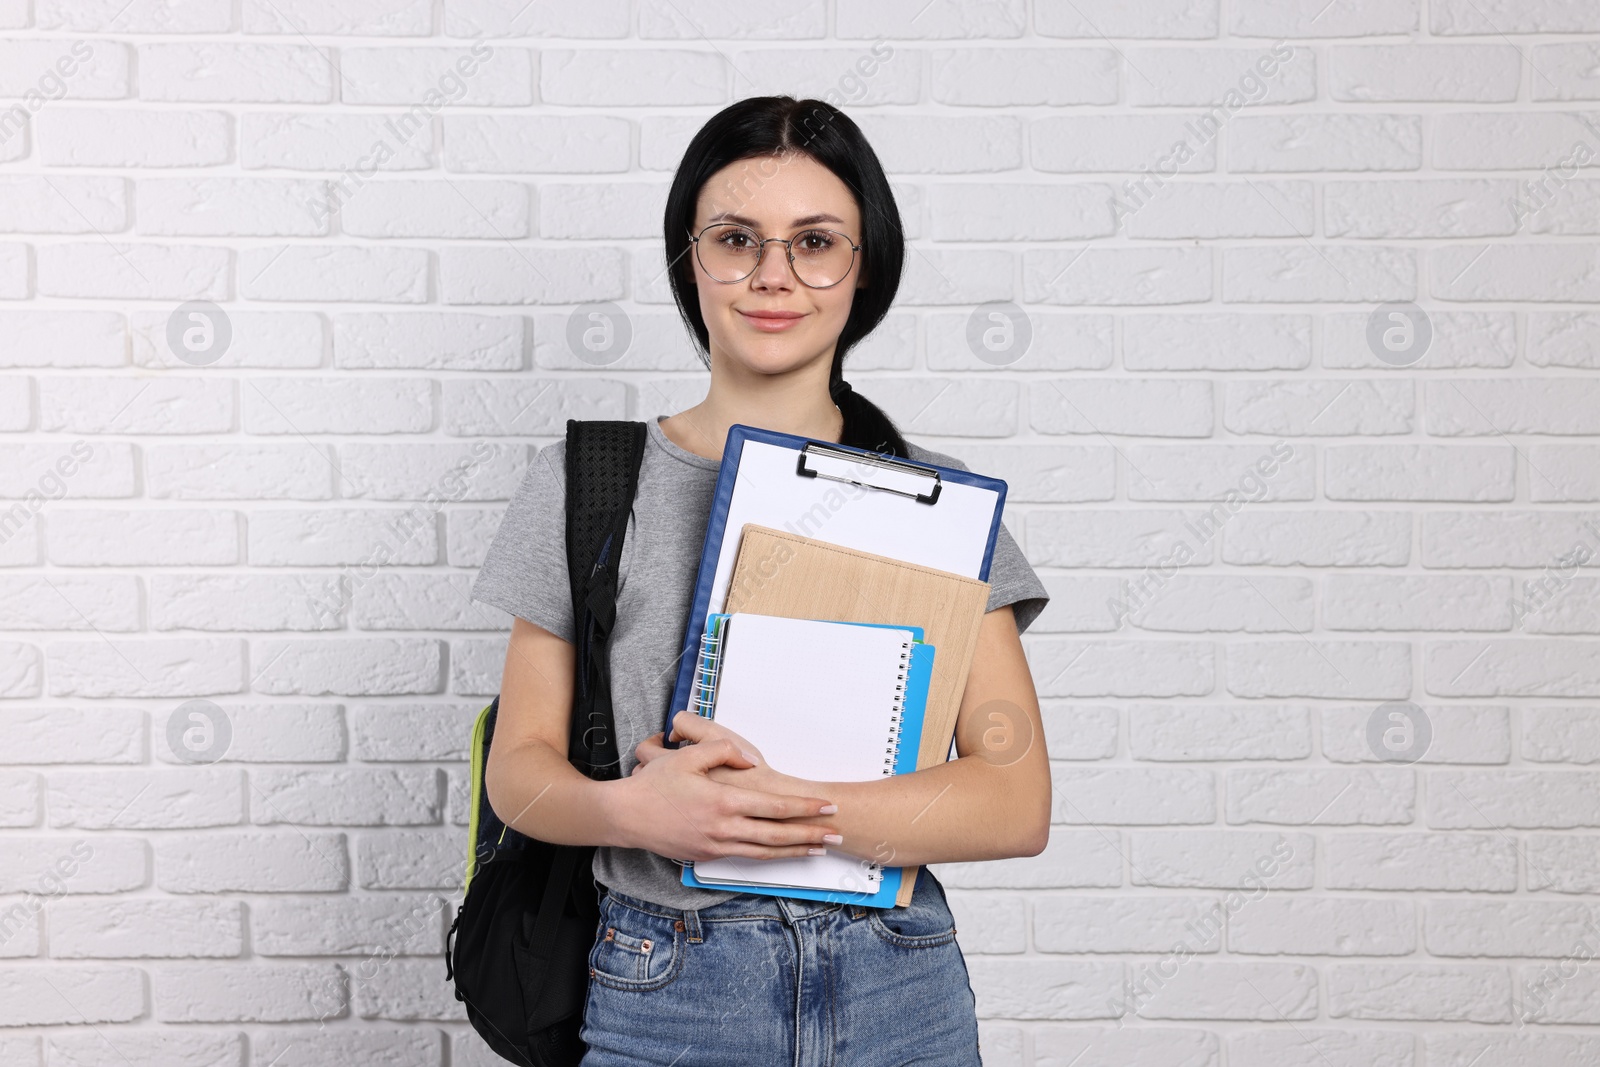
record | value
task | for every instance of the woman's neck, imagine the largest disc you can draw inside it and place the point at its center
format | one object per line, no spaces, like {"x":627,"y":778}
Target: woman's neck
{"x":703,"y":428}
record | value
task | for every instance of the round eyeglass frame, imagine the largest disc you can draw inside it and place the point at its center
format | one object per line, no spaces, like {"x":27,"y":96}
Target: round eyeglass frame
{"x":788,"y":247}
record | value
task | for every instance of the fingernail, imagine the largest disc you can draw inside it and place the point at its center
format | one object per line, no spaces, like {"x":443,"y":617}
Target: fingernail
{"x":816,"y":852}
{"x":833,"y":839}
{"x":827,"y":809}
{"x":748,"y":756}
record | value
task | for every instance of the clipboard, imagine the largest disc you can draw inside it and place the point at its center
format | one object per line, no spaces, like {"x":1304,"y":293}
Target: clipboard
{"x":923,"y":513}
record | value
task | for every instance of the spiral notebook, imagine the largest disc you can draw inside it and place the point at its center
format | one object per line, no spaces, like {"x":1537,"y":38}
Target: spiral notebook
{"x":823,"y":700}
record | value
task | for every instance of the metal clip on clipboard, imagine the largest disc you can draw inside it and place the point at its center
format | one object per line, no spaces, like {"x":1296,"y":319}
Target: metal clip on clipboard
{"x":899,"y":475}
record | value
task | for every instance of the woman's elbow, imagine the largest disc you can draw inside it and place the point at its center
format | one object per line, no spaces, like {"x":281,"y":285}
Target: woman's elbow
{"x":494,"y":779}
{"x":506,"y":774}
{"x":1033,"y":820}
{"x":1038,"y":837}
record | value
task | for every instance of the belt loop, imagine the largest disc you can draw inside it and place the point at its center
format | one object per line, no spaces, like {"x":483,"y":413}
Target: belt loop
{"x":691,"y":923}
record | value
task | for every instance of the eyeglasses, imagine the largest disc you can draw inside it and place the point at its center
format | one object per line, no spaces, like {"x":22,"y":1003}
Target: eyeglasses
{"x":729,"y":252}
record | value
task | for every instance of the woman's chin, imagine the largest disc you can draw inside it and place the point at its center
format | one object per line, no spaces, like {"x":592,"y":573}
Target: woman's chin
{"x":770,"y":355}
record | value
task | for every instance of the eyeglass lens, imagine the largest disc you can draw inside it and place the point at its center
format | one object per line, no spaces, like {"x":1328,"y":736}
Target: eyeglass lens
{"x":730,"y":252}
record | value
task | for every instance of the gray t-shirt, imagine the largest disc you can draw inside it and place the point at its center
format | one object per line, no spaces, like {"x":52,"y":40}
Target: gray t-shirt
{"x":525,"y":573}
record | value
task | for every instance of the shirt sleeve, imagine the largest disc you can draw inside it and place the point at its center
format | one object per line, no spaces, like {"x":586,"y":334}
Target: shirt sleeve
{"x":525,"y":570}
{"x":1012,"y":581}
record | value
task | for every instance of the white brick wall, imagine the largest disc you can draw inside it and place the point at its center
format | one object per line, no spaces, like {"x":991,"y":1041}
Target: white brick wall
{"x":1258,"y":525}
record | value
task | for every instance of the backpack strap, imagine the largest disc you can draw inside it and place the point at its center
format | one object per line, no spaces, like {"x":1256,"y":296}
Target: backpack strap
{"x":603,"y":459}
{"x":601,"y":480}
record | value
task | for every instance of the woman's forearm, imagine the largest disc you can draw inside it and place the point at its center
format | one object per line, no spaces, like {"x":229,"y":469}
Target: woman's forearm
{"x":965,"y":809}
{"x":537,"y":792}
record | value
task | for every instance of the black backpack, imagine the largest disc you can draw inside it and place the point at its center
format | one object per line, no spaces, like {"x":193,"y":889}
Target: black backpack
{"x":527,"y":922}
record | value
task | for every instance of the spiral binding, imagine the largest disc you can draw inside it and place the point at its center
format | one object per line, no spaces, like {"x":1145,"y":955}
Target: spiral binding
{"x":891,"y":754}
{"x":706,"y":694}
{"x":705,"y":691}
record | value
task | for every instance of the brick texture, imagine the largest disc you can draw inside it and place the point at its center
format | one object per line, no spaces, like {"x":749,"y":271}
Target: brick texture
{"x":1280,"y":532}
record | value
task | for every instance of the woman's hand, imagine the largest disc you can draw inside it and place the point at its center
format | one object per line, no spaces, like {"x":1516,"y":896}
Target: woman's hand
{"x":698,"y":730}
{"x":710,"y":799}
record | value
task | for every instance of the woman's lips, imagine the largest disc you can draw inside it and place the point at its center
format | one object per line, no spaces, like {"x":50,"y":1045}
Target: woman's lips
{"x":772,"y":321}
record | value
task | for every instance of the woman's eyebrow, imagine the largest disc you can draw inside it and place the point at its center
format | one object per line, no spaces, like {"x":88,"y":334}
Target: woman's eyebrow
{"x":728,"y":216}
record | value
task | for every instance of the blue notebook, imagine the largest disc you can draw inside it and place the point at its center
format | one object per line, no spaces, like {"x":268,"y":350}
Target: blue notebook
{"x":822,"y":700}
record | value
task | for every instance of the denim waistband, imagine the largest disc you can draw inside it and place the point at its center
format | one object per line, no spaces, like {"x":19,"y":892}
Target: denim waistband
{"x":747,"y":906}
{"x":743,"y":906}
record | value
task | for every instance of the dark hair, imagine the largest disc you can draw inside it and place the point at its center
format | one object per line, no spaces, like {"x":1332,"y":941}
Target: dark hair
{"x":770,"y":125}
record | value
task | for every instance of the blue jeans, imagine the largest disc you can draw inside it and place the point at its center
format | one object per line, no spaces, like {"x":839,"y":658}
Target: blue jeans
{"x":779,"y":982}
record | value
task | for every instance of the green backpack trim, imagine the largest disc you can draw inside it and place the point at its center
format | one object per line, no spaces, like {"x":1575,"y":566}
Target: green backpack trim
{"x":476,"y":785}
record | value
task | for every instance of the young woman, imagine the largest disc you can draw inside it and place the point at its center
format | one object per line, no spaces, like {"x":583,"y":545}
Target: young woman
{"x":785,"y":251}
